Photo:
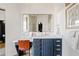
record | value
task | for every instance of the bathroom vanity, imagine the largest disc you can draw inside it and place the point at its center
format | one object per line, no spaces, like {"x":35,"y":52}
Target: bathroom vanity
{"x":47,"y":46}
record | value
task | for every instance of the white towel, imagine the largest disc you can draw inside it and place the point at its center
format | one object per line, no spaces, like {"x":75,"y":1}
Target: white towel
{"x":71,"y":39}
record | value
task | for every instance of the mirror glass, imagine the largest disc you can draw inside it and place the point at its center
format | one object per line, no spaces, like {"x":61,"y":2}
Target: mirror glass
{"x":72,"y":16}
{"x":37,"y":22}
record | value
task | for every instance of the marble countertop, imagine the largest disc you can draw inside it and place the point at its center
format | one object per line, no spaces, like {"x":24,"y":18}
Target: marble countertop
{"x":55,"y":37}
{"x":48,"y":37}
{"x":31,"y":39}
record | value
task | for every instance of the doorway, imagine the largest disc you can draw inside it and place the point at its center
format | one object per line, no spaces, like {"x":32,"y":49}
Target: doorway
{"x":2,"y":34}
{"x":2,"y":38}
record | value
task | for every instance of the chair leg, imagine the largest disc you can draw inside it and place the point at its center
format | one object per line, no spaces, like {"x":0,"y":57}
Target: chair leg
{"x":29,"y":52}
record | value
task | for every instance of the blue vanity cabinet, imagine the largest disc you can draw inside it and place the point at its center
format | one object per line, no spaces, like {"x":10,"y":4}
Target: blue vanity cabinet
{"x":47,"y":47}
{"x":37,"y":47}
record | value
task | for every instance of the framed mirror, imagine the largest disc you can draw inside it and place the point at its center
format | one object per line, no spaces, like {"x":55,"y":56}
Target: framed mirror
{"x":37,"y":22}
{"x":72,"y":16}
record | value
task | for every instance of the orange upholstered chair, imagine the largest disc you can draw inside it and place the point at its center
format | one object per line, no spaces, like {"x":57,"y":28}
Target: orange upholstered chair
{"x":24,"y":45}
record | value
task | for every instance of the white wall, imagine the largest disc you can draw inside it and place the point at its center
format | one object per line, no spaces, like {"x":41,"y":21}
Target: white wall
{"x":2,"y":15}
{"x":12,"y":26}
{"x":37,"y":8}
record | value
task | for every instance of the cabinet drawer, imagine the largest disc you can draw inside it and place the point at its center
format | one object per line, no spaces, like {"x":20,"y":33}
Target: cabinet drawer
{"x":57,"y":53}
{"x":57,"y":40}
{"x":58,"y":45}
{"x":57,"y":49}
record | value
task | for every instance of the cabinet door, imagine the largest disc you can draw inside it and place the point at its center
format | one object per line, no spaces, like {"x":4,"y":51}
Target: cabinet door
{"x":37,"y":47}
{"x":47,"y":47}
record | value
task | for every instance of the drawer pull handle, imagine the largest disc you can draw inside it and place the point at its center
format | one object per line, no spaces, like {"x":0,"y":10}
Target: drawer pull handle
{"x":58,"y":49}
{"x":58,"y":45}
{"x":58,"y":41}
